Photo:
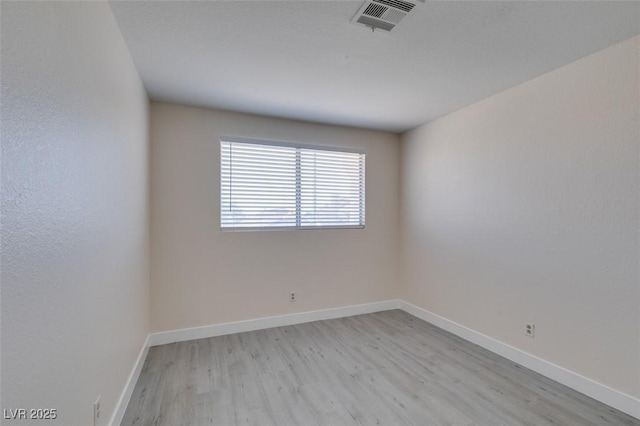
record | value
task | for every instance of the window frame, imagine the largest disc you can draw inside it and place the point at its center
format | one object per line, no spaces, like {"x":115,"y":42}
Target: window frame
{"x":268,"y":142}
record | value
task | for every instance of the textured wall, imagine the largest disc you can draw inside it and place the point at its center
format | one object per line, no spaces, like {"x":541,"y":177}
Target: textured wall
{"x":74,"y":210}
{"x":525,"y":207}
{"x":203,"y":276}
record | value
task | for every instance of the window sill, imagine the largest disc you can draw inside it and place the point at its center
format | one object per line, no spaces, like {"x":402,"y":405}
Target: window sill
{"x":289,"y":228}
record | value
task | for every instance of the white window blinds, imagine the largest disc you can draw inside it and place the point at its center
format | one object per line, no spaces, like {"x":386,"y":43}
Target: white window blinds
{"x":281,"y":185}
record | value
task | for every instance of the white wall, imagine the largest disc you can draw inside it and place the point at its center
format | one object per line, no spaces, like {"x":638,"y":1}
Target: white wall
{"x":526,"y":207}
{"x":203,"y":276}
{"x":74,"y":210}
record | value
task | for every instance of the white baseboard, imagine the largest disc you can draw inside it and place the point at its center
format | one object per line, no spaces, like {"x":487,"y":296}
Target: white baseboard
{"x":203,"y":332}
{"x":616,"y":399}
{"x":125,"y":396}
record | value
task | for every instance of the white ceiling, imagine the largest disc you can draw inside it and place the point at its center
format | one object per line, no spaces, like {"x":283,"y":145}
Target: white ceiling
{"x":304,"y":60}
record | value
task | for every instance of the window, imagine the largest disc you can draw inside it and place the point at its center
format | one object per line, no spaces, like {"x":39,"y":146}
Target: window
{"x":282,"y":185}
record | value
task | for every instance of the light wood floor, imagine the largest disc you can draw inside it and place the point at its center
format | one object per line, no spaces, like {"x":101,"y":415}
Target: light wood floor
{"x":387,"y":368}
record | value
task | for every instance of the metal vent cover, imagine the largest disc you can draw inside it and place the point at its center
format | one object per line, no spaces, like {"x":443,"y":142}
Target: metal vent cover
{"x":383,"y":14}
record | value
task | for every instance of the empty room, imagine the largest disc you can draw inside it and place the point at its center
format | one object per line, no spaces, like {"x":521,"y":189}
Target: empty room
{"x":314,"y":212}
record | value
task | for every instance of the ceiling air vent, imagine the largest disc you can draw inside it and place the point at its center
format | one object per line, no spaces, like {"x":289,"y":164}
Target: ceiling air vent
{"x":382,"y":14}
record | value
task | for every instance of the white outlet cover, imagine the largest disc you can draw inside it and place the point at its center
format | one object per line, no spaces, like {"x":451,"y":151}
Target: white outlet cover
{"x":96,"y":411}
{"x":530,"y":329}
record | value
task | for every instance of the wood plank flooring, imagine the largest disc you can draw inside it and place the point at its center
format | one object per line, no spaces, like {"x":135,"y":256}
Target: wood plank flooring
{"x":386,"y":368}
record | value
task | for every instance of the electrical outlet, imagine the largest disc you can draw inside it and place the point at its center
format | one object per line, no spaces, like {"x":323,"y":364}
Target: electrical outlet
{"x":530,"y":329}
{"x":96,"y":412}
{"x":292,"y":296}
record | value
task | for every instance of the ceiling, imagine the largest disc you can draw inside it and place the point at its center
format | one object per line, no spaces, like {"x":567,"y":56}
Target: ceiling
{"x":305,"y":60}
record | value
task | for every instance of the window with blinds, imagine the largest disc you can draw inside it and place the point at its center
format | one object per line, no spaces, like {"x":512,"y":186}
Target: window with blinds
{"x":281,"y":185}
